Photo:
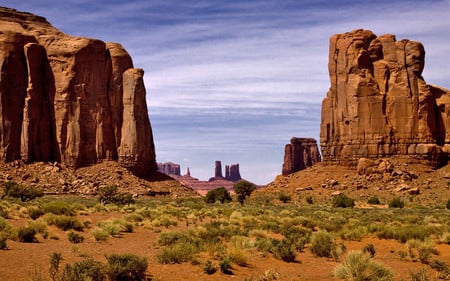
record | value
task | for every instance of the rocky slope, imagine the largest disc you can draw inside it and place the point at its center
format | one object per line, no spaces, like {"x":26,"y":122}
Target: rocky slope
{"x":67,"y":99}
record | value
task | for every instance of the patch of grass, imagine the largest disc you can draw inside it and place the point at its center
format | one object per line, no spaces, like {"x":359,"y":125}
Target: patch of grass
{"x":74,"y":237}
{"x":323,"y":244}
{"x":358,"y":266}
{"x":177,"y":253}
{"x":65,"y":222}
{"x":343,"y":201}
{"x":126,"y":267}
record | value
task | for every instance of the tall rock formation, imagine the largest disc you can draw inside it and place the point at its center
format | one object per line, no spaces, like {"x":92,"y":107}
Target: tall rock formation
{"x":218,"y":169}
{"x":300,"y":154}
{"x":170,"y":168}
{"x":232,"y":172}
{"x":379,"y":105}
{"x":69,"y":99}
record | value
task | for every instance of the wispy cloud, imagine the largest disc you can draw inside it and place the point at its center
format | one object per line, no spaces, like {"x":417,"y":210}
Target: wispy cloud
{"x":235,"y":80}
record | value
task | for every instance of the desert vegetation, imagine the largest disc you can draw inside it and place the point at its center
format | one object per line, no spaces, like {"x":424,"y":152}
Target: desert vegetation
{"x":223,"y":236}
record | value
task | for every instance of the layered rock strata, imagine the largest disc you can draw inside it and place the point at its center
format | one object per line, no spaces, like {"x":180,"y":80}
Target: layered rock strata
{"x":170,"y":168}
{"x":379,"y":105}
{"x":300,"y":154}
{"x":69,"y":99}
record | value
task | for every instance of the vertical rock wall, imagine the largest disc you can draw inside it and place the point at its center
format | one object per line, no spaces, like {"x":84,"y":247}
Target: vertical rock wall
{"x":300,"y":154}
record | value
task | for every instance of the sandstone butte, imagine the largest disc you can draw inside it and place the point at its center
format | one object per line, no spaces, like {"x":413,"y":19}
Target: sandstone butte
{"x":300,"y":154}
{"x":379,"y":105}
{"x":70,"y":99}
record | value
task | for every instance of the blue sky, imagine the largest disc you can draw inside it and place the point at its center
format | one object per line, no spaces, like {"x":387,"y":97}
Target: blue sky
{"x":234,"y":80}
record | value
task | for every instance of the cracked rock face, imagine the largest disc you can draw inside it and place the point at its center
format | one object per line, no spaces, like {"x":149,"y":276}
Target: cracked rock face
{"x":379,"y":105}
{"x":69,"y":99}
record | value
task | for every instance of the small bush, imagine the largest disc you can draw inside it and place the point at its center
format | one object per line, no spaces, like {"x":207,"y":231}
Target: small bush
{"x":87,"y":269}
{"x":442,"y":268}
{"x":3,"y":244}
{"x":396,"y":203}
{"x":343,"y":201}
{"x":35,"y":212}
{"x":177,"y":253}
{"x":59,"y":208}
{"x":448,"y":204}
{"x":25,"y":193}
{"x":322,"y":244}
{"x":75,"y":237}
{"x":225,"y":266}
{"x":420,"y":275}
{"x":220,"y":194}
{"x":374,"y":200}
{"x":309,"y":200}
{"x":359,"y":266}
{"x":243,"y":189}
{"x":100,"y":234}
{"x":285,"y":198}
{"x":169,"y":237}
{"x":110,"y":195}
{"x":369,"y":249}
{"x":126,"y":267}
{"x":209,"y":268}
{"x":65,"y":222}
{"x":27,"y":234}
{"x":283,"y":250}
{"x":238,"y":256}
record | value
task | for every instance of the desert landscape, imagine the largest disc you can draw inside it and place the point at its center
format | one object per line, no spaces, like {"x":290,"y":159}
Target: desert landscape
{"x":82,"y":197}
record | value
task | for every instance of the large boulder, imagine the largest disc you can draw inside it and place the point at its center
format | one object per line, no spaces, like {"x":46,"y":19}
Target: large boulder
{"x":379,"y":105}
{"x":69,"y":99}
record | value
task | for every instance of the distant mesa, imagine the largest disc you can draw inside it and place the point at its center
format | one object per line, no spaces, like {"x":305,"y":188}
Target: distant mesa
{"x":379,"y":105}
{"x":300,"y":154}
{"x":69,"y":99}
{"x":169,"y":168}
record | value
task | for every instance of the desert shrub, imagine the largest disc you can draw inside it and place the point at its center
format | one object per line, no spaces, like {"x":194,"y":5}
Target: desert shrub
{"x":263,"y":245}
{"x":59,"y":208}
{"x":169,"y":237}
{"x":283,"y":250}
{"x":178,"y":253}
{"x":396,"y":203}
{"x":134,"y":217}
{"x":87,"y":269}
{"x":225,"y":266}
{"x":55,"y":261}
{"x":421,"y":249}
{"x":110,"y":195}
{"x":322,"y":244}
{"x":420,"y":275}
{"x":401,"y":233}
{"x":74,"y":237}
{"x":309,"y":200}
{"x":448,"y":204}
{"x":374,"y":200}
{"x":238,"y":256}
{"x":3,"y":244}
{"x":355,"y":233}
{"x":24,"y":193}
{"x":35,"y":212}
{"x":5,"y":228}
{"x":358,"y":266}
{"x":65,"y":222}
{"x":209,"y":268}
{"x":126,"y":267}
{"x":442,"y":268}
{"x":220,"y":194}
{"x":369,"y":249}
{"x":285,"y":198}
{"x":343,"y":201}
{"x":100,"y":234}
{"x":26,"y":234}
{"x":243,"y":189}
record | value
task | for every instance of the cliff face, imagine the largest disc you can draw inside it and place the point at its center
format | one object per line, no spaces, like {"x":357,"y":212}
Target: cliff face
{"x":69,"y":99}
{"x":379,"y":105}
{"x":300,"y":154}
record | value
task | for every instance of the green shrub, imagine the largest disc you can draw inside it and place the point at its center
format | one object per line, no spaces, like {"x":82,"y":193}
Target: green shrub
{"x":369,"y":249}
{"x":169,"y":237}
{"x":243,"y":189}
{"x":25,"y":193}
{"x":65,"y":222}
{"x":209,"y":268}
{"x":238,"y":256}
{"x":343,"y":201}
{"x":220,"y":194}
{"x":3,"y":244}
{"x":359,"y":266}
{"x":35,"y":212}
{"x":374,"y":200}
{"x":285,"y":198}
{"x":421,"y":249}
{"x":225,"y":266}
{"x":323,"y":244}
{"x":59,"y":208}
{"x":75,"y":237}
{"x":87,"y":269}
{"x":100,"y":234}
{"x":396,"y":203}
{"x":283,"y":250}
{"x":26,"y":234}
{"x":110,"y":195}
{"x":177,"y":253}
{"x":126,"y":267}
